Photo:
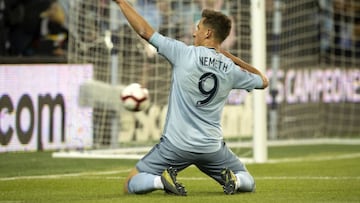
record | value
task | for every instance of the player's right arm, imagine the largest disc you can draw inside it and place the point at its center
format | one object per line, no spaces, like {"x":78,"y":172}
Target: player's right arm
{"x":137,"y":22}
{"x":247,"y":67}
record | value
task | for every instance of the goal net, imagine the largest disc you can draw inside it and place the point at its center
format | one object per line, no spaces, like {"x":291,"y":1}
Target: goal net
{"x":312,"y":62}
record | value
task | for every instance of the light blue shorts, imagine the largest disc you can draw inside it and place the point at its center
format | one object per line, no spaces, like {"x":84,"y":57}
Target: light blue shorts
{"x":165,"y":154}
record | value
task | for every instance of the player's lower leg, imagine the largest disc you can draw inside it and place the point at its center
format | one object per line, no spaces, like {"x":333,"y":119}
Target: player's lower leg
{"x":141,"y":183}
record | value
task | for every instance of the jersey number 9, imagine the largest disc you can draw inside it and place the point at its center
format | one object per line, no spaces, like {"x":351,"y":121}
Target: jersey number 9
{"x":206,"y":89}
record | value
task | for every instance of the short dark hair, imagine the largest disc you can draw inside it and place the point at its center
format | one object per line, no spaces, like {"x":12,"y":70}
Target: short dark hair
{"x":220,"y":23}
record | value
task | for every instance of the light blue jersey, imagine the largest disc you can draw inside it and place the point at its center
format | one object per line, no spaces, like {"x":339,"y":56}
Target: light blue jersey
{"x":201,"y":81}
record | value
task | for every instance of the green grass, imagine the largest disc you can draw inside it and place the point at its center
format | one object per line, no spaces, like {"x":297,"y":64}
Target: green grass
{"x":320,"y":173}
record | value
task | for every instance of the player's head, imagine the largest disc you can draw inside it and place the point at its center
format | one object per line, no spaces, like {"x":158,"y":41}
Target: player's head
{"x":213,"y":25}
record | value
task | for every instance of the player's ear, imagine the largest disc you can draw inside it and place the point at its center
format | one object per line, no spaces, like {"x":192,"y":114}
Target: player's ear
{"x":208,"y":33}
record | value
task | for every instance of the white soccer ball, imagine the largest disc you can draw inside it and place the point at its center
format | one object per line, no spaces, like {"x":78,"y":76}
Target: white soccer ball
{"x":135,"y":97}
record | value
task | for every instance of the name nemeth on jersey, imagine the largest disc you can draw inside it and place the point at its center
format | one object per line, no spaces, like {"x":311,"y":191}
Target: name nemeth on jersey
{"x":212,"y":62}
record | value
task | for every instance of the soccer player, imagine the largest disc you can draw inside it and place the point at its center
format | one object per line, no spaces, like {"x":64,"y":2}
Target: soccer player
{"x":202,"y":77}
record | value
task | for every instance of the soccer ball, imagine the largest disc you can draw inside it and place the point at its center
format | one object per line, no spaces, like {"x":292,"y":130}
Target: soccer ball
{"x":135,"y":97}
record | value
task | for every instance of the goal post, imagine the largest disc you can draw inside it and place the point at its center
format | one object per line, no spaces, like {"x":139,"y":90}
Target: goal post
{"x":258,"y":43}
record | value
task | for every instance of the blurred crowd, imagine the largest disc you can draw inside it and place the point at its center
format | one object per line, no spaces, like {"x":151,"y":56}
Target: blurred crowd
{"x":33,"y":27}
{"x":340,"y":27}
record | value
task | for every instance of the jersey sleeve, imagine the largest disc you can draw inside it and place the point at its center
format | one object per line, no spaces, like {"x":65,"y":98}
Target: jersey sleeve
{"x":246,"y":80}
{"x":171,"y":49}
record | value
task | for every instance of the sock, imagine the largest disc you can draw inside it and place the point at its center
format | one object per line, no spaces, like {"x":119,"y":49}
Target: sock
{"x":237,"y":185}
{"x":158,"y":183}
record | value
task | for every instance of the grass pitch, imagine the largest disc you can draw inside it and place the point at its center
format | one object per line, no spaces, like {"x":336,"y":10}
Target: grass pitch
{"x":318,"y":173}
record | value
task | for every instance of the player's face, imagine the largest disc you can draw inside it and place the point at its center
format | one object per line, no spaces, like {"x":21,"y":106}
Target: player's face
{"x":200,"y":34}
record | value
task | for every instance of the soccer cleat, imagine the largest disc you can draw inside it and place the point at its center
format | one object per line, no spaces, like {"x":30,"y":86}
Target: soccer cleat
{"x":229,"y":179}
{"x":171,"y":186}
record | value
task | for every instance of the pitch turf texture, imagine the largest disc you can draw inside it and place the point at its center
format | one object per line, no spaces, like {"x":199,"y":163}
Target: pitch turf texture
{"x":321,"y":173}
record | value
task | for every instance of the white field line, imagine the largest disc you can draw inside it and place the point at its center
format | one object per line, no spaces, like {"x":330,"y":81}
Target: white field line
{"x":308,"y":178}
{"x":299,"y":142}
{"x":88,"y":174}
{"x":316,"y":158}
{"x":69,"y":175}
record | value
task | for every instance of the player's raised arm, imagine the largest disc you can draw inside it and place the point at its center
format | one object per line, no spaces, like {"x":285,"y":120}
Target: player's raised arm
{"x":247,"y":67}
{"x":137,"y":22}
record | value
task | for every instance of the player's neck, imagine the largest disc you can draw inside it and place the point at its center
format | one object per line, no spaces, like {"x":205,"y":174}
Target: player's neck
{"x":212,"y":45}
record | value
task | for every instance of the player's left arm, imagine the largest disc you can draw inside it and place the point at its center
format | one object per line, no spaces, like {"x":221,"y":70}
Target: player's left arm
{"x":137,"y":22}
{"x":247,"y":67}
